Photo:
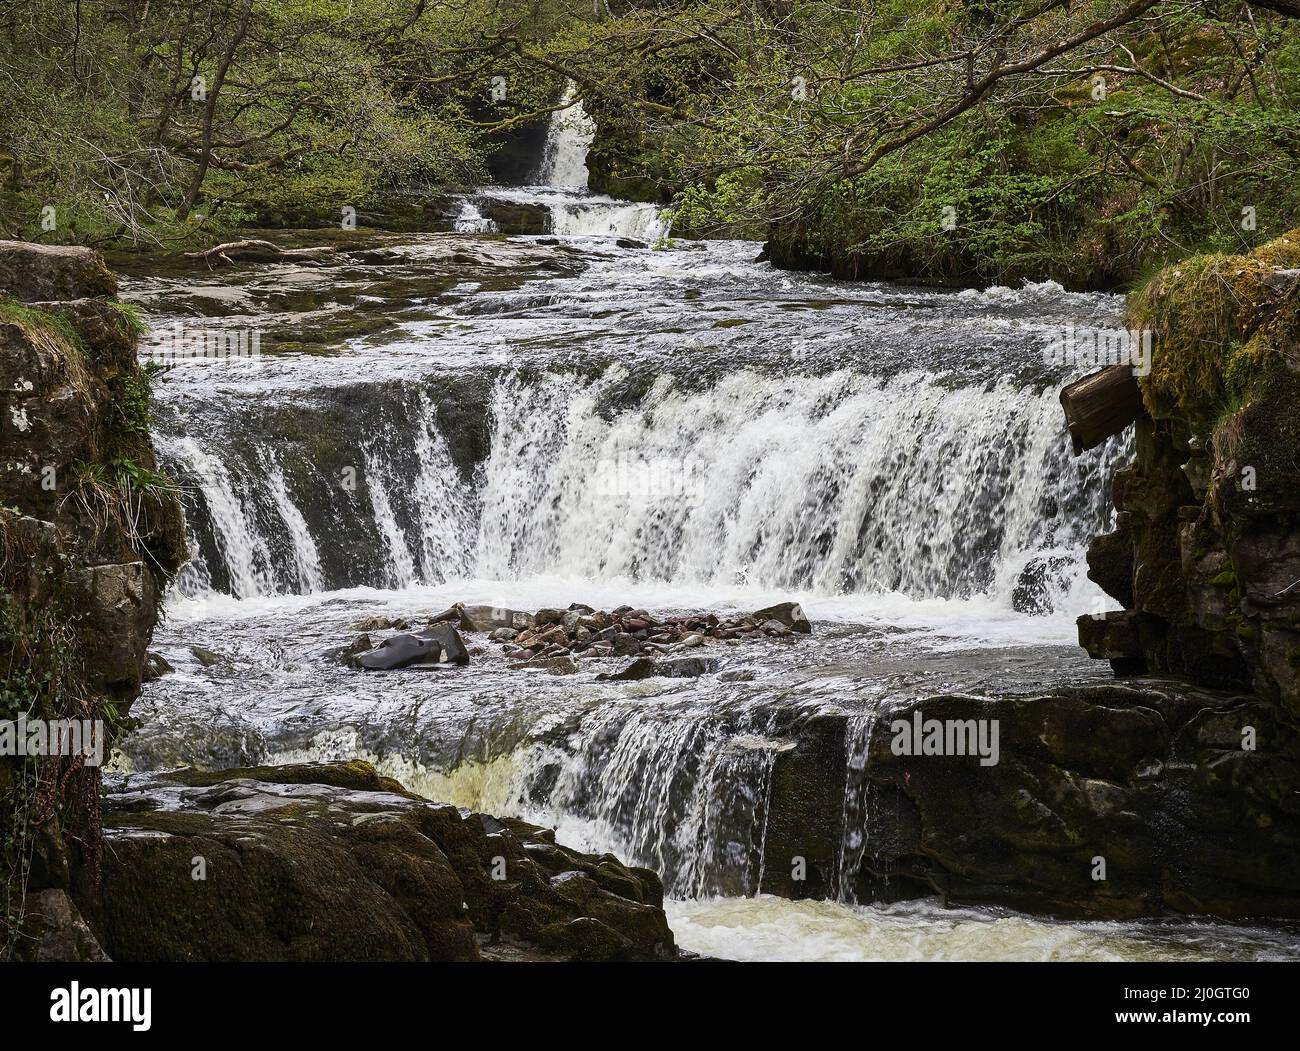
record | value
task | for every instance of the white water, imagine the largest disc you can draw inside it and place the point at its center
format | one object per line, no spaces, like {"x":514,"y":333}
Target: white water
{"x":561,"y":188}
{"x":768,"y":928}
{"x":469,"y":220}
{"x":831,"y":484}
{"x":304,"y":546}
{"x":841,"y":484}
{"x":241,"y":548}
{"x":573,"y":213}
{"x":564,"y":157}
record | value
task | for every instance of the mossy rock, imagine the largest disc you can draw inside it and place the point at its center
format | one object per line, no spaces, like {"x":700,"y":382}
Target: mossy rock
{"x":1222,"y":326}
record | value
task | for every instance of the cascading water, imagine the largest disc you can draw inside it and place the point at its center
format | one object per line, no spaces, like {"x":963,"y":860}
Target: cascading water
{"x":540,"y":423}
{"x":564,"y":157}
{"x":835,"y":484}
{"x":561,"y":188}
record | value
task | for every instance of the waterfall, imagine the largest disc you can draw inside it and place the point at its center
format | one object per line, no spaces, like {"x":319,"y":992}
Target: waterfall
{"x":831,"y":484}
{"x":560,"y":187}
{"x":853,"y":843}
{"x":834,"y":484}
{"x":385,"y":507}
{"x":564,"y":157}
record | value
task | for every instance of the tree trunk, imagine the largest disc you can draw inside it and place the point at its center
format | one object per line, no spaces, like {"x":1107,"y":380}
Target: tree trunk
{"x":1100,"y":405}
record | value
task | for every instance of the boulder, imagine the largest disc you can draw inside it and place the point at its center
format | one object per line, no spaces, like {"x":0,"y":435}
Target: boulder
{"x":206,"y":657}
{"x":557,"y":665}
{"x":453,"y":646}
{"x":647,"y":668}
{"x":489,"y":618}
{"x":333,"y":862}
{"x":37,"y":273}
{"x":155,"y":667}
{"x":401,"y":651}
{"x":790,"y":614}
{"x":436,"y":644}
{"x":53,"y":931}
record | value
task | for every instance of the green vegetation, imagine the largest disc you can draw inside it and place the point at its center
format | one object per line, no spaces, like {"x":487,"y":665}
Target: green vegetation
{"x":964,"y":141}
{"x":38,"y":322}
{"x":40,"y":678}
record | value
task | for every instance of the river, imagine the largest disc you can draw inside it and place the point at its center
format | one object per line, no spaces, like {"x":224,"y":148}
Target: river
{"x":600,"y":415}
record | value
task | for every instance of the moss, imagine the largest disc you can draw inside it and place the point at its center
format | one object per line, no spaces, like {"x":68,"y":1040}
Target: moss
{"x":1220,"y":330}
{"x":1226,"y":579}
{"x":36,"y":322}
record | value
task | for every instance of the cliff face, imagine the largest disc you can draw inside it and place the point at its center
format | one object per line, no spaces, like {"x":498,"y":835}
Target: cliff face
{"x":1206,"y":556}
{"x":90,"y":534}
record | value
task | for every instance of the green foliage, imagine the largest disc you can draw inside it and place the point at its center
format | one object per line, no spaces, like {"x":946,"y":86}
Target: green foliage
{"x":39,"y":677}
{"x":33,"y":319}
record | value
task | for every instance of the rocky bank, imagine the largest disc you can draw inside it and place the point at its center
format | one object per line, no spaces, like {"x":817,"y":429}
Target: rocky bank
{"x":91,"y":535}
{"x":334,"y":862}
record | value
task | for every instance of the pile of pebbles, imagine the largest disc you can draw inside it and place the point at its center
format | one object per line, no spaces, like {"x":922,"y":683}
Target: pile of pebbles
{"x":581,"y":631}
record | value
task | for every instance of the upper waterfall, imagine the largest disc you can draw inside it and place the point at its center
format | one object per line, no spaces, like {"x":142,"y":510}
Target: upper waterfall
{"x":568,"y":140}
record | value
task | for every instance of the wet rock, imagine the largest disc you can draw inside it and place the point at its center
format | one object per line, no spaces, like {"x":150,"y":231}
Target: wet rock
{"x":347,"y":654}
{"x":804,"y":820}
{"x":624,"y":645}
{"x":53,"y":931}
{"x":647,"y":667}
{"x":401,"y":651}
{"x":448,"y":638}
{"x":1110,"y":563}
{"x":156,"y":666}
{"x":790,"y":614}
{"x":738,"y":675}
{"x":380,"y":624}
{"x":489,"y":618}
{"x":627,"y":632}
{"x":436,"y":644}
{"x":334,"y":863}
{"x":455,"y":612}
{"x":556,"y":665}
{"x":1042,"y":577}
{"x":1152,"y":778}
{"x":206,"y":657}
{"x":513,"y":217}
{"x":641,"y":668}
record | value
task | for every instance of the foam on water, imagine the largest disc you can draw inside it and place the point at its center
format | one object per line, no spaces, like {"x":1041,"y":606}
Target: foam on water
{"x":768,"y":928}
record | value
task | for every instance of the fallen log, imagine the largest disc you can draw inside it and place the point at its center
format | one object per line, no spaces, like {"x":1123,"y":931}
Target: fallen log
{"x":253,"y":250}
{"x":1101,"y":405}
